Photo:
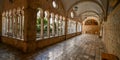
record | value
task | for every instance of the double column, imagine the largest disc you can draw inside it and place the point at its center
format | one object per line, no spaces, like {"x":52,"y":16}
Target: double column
{"x":53,"y":23}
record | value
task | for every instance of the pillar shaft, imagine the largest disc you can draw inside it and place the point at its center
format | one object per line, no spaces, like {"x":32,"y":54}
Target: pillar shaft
{"x":42,"y":27}
{"x":48,"y":27}
{"x":30,"y":29}
{"x":66,"y":26}
{"x":0,"y":25}
{"x":53,"y":29}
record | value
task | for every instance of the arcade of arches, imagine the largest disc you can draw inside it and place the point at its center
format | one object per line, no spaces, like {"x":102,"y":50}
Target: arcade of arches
{"x":30,"y":25}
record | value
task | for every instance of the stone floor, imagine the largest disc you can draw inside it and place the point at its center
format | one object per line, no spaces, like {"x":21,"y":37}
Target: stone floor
{"x":83,"y":47}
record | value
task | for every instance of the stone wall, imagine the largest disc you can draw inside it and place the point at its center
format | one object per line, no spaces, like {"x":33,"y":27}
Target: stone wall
{"x":93,"y":29}
{"x":111,"y":35}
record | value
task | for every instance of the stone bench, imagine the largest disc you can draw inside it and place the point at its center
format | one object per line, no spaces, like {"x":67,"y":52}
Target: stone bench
{"x":106,"y":56}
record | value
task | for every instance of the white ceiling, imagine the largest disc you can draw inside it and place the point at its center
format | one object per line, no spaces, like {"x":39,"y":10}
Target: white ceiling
{"x":68,"y":3}
{"x":88,"y":6}
{"x":84,"y":6}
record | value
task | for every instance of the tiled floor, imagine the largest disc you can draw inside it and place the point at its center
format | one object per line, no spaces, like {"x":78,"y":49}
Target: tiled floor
{"x":83,"y":47}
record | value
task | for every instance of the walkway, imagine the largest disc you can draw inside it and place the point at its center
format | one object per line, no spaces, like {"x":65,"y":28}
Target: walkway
{"x":83,"y":47}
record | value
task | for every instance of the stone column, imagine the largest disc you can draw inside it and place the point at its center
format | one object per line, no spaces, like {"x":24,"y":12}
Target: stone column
{"x":76,"y":27}
{"x":5,"y":25}
{"x":48,"y":26}
{"x":0,"y":25}
{"x":8,"y":24}
{"x":16,"y":24}
{"x":13,"y":31}
{"x":57,"y":23}
{"x":42,"y":25}
{"x":12,"y":23}
{"x":30,"y":29}
{"x":21,"y":24}
{"x":53,"y":21}
{"x":66,"y":27}
{"x":63,"y":26}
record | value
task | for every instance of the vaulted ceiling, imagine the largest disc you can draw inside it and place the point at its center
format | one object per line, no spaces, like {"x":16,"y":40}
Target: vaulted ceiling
{"x":70,"y":3}
{"x":93,"y":8}
{"x":86,"y":8}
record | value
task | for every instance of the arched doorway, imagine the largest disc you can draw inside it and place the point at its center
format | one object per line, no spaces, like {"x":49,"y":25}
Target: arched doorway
{"x":91,"y":26}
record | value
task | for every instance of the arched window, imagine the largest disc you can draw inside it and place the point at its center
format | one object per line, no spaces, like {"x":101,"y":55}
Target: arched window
{"x":54,"y":4}
{"x":38,"y":24}
{"x":18,"y":23}
{"x":79,"y":27}
{"x":7,"y":23}
{"x":10,"y":24}
{"x":3,"y":24}
{"x":13,"y":23}
{"x":69,"y":26}
{"x":63,"y":26}
{"x":45,"y":22}
{"x":56,"y":25}
{"x":72,"y":15}
{"x":52,"y":25}
{"x":59,"y":26}
{"x":22,"y":23}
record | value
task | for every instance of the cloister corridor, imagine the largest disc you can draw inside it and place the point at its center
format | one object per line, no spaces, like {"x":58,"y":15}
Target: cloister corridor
{"x":59,"y":29}
{"x":82,"y":47}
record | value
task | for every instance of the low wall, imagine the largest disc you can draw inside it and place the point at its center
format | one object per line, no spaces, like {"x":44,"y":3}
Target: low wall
{"x":28,"y":46}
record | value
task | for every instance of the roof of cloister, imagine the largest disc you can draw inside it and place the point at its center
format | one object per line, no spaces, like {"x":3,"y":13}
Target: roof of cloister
{"x":86,"y":8}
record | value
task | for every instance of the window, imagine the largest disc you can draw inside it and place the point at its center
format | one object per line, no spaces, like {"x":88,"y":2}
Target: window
{"x":59,"y":26}
{"x":13,"y":23}
{"x":69,"y":26}
{"x":79,"y":27}
{"x":72,"y":15}
{"x":54,"y":4}
{"x":52,"y":26}
{"x":38,"y":24}
{"x":56,"y":25}
{"x":3,"y":24}
{"x":63,"y":26}
{"x":45,"y":22}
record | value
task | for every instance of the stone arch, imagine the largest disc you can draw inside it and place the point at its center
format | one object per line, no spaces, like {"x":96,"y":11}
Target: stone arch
{"x":93,"y":22}
{"x":52,"y":14}
{"x":47,"y":14}
{"x":41,"y":11}
{"x":3,"y":13}
{"x":91,"y":29}
{"x":88,"y":18}
{"x":52,"y":24}
{"x":18,"y":10}
{"x":56,"y":24}
{"x":79,"y":27}
{"x":56,"y":16}
{"x":3,"y":25}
